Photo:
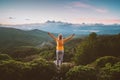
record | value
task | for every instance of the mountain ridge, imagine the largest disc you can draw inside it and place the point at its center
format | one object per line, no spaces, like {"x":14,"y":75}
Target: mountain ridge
{"x":16,"y":37}
{"x":68,"y":28}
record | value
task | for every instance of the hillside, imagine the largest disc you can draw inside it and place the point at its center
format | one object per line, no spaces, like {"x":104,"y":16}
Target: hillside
{"x":92,"y":58}
{"x":11,"y":37}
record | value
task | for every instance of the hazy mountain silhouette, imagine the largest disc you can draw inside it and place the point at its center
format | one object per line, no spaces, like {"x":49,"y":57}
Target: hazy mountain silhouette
{"x":68,"y":28}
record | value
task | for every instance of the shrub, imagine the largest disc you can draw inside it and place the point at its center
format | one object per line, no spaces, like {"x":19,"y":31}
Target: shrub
{"x":110,"y":72}
{"x":81,"y":73}
{"x":39,"y":69}
{"x":5,"y":57}
{"x":64,"y":69}
{"x":12,"y":70}
{"x":100,"y":62}
{"x":42,"y":69}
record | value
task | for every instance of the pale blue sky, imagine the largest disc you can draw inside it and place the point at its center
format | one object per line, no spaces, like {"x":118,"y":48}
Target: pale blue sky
{"x":72,"y":11}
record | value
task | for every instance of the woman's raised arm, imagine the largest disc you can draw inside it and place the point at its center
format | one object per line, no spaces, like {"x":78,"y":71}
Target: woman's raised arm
{"x":68,"y":38}
{"x":51,"y":35}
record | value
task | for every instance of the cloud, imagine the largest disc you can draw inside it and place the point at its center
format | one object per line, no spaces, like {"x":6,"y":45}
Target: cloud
{"x":11,"y":18}
{"x":79,"y":4}
{"x":95,"y":20}
{"x":27,"y":19}
{"x":88,"y":6}
{"x":102,"y":10}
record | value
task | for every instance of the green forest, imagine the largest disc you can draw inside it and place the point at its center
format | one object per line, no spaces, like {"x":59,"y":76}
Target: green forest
{"x":94,"y":57}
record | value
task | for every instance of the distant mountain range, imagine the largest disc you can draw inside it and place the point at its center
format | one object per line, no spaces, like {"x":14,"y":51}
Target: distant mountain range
{"x":68,"y":28}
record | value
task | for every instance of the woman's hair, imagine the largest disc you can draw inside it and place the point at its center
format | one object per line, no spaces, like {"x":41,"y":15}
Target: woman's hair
{"x":60,"y":37}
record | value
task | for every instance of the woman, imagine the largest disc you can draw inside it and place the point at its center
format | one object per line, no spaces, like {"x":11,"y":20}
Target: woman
{"x":60,"y":46}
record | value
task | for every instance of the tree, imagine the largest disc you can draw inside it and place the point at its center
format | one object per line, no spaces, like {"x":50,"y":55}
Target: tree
{"x":94,"y":47}
{"x":86,"y":52}
{"x":92,"y":36}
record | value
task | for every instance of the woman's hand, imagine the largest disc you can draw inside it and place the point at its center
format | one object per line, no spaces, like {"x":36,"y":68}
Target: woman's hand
{"x":49,"y":33}
{"x":73,"y":34}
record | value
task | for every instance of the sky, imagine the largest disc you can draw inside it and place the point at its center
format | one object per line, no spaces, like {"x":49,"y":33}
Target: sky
{"x":71,"y":11}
